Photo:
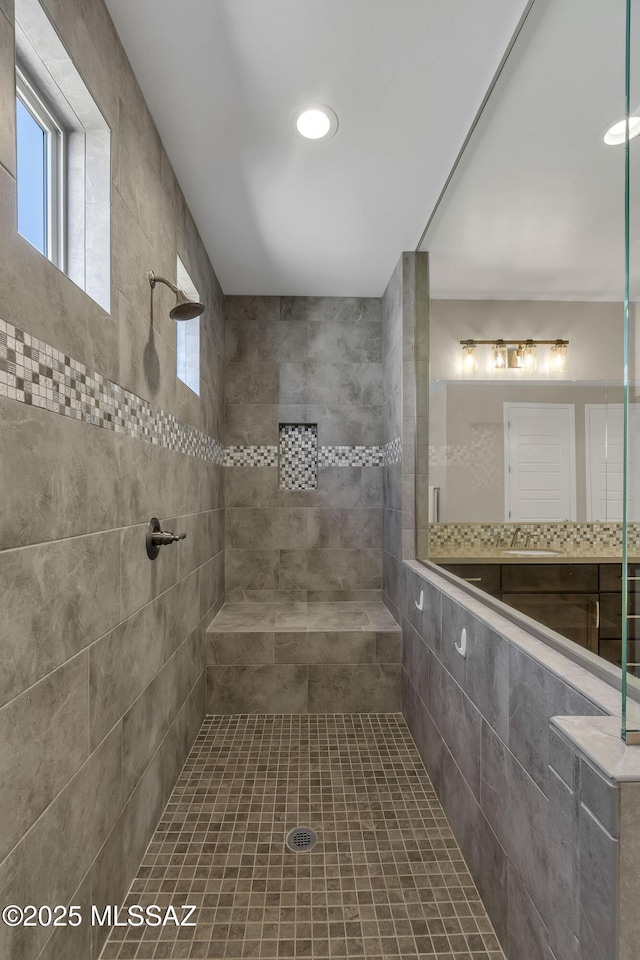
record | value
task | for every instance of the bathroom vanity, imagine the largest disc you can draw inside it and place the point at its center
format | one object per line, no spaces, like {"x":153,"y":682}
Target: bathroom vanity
{"x":578,"y":598}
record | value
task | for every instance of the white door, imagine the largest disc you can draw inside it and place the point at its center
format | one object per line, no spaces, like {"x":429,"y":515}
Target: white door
{"x":604,"y":454}
{"x":540,"y":472}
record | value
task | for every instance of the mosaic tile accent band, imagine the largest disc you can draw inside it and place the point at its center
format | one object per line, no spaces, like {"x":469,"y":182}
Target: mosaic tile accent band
{"x":237,"y":456}
{"x":580,"y":539}
{"x":298,"y":456}
{"x":35,"y":373}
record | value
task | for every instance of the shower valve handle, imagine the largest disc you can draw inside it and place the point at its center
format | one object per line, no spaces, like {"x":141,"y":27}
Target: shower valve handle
{"x":157,"y":537}
{"x":164,"y":537}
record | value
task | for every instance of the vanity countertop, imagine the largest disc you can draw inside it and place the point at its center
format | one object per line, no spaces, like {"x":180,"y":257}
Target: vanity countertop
{"x":499,"y":557}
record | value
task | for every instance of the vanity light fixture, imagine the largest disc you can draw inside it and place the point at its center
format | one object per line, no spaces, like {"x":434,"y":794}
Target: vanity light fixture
{"x":617,"y":133}
{"x":523,"y":355}
{"x":527,"y":352}
{"x":499,"y":355}
{"x":314,"y":121}
{"x":469,"y":357}
{"x":559,"y":356}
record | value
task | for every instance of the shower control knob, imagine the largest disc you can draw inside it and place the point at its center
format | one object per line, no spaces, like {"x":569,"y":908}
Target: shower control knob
{"x":157,"y":537}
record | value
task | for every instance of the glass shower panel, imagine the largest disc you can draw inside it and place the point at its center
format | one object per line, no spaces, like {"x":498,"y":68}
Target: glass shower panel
{"x":631,"y":557}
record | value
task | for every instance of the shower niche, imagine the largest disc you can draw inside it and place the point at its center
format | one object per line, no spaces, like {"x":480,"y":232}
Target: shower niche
{"x":298,"y":456}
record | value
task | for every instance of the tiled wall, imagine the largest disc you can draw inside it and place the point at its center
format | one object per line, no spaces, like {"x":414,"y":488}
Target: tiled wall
{"x":306,"y":361}
{"x":103,"y":651}
{"x":537,"y":823}
{"x":405,"y":297}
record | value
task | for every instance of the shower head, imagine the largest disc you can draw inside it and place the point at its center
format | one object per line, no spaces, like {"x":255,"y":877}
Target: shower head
{"x":185,"y":308}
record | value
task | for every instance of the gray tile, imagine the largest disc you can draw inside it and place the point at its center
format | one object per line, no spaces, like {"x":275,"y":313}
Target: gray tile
{"x":252,"y":569}
{"x":56,"y":598}
{"x":562,"y":759}
{"x":459,"y":722}
{"x":147,"y":721}
{"x":334,"y":309}
{"x":251,"y":486}
{"x":417,"y":664}
{"x":509,"y":799}
{"x":480,"y":846}
{"x":252,"y":383}
{"x":85,"y":810}
{"x":254,"y":330}
{"x":211,"y":584}
{"x":291,"y":647}
{"x":598,"y":885}
{"x":72,"y":943}
{"x":320,"y":569}
{"x":330,"y":528}
{"x":371,"y":568}
{"x":244,"y":617}
{"x":388,"y":646}
{"x":142,"y":579}
{"x":600,"y":796}
{"x":240,"y":647}
{"x":428,"y":621}
{"x":250,"y":424}
{"x":562,"y":843}
{"x":43,"y":742}
{"x":121,"y":664}
{"x":7,"y":97}
{"x":343,"y":423}
{"x":484,"y":674}
{"x":340,"y":646}
{"x":283,"y":528}
{"x":372,"y":388}
{"x":265,"y":688}
{"x":392,"y":532}
{"x":372,"y":486}
{"x":351,"y":343}
{"x":527,"y":935}
{"x":536,"y":695}
{"x":629,"y":935}
{"x":16,"y":942}
{"x":335,"y":383}
{"x":354,"y":688}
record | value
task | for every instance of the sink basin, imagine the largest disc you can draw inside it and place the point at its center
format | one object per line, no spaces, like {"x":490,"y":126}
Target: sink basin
{"x":530,"y":552}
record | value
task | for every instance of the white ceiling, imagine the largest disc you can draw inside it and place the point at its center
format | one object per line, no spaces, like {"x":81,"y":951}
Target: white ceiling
{"x":280,"y":215}
{"x":536,"y":209}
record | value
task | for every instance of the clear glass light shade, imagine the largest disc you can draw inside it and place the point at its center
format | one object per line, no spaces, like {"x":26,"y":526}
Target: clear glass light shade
{"x":499,"y":355}
{"x":469,"y":358}
{"x":528,"y":353}
{"x":558,"y":362}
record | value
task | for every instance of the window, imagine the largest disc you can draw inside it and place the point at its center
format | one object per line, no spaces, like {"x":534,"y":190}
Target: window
{"x":188,"y":336}
{"x":64,"y":157}
{"x":40,"y":173}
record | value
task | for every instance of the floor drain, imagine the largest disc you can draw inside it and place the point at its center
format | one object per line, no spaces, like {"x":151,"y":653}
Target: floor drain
{"x":302,"y":838}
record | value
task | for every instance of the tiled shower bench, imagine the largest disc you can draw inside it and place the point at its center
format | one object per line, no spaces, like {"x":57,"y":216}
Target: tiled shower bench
{"x":304,"y":658}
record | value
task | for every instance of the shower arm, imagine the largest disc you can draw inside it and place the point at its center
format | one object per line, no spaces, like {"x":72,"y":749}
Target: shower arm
{"x":153,"y":280}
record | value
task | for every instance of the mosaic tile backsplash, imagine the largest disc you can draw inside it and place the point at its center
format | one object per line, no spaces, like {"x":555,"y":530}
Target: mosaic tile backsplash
{"x":298,"y":460}
{"x":37,"y":374}
{"x":568,"y":538}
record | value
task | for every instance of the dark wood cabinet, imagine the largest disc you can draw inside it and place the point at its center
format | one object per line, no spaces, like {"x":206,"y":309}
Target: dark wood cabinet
{"x":581,"y":601}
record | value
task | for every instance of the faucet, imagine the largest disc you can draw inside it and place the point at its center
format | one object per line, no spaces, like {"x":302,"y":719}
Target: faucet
{"x":514,"y":538}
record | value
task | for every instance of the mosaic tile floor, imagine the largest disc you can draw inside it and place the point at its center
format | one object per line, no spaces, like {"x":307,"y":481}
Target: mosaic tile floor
{"x":386,"y":878}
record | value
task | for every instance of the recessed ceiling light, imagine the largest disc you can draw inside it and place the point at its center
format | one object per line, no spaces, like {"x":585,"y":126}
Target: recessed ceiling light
{"x":616,"y":133}
{"x":315,"y":121}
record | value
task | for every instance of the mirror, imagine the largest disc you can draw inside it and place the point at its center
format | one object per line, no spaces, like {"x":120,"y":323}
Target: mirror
{"x":519,"y":459}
